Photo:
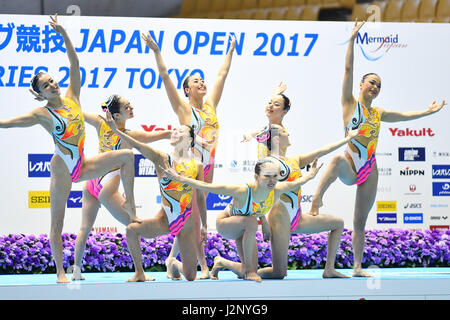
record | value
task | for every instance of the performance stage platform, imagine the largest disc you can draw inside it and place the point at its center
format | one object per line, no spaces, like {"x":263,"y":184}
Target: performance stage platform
{"x":387,"y":283}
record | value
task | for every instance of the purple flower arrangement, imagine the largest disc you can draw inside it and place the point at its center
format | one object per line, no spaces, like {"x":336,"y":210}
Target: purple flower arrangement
{"x":106,"y":252}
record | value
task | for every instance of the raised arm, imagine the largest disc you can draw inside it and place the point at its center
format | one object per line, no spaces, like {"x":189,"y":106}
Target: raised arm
{"x":179,"y":106}
{"x":214,"y":98}
{"x":395,"y":116}
{"x":305,"y":159}
{"x":74,"y":88}
{"x":347,"y":99}
{"x":154,"y":155}
{"x":283,"y":187}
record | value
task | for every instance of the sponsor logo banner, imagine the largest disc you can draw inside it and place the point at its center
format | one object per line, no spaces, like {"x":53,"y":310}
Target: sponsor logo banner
{"x":386,"y":218}
{"x":388,"y":206}
{"x":143,"y":167}
{"x":413,"y":218}
{"x":74,"y":200}
{"x":217,"y":201}
{"x":39,"y":165}
{"x":441,"y":171}
{"x":411,"y":154}
{"x":441,"y":189}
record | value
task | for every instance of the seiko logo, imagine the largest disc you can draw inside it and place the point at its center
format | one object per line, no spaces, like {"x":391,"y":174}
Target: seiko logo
{"x":412,"y":133}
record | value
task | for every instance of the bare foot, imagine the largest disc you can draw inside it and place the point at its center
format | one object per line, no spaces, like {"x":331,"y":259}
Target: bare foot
{"x":332,"y":273}
{"x":315,"y":205}
{"x":148,"y":278}
{"x":76,"y":273}
{"x":168,"y":272}
{"x":216,"y":267}
{"x":173,"y":268}
{"x":204,"y":274}
{"x":359,"y":272}
{"x":252,"y":276}
{"x":62,"y":278}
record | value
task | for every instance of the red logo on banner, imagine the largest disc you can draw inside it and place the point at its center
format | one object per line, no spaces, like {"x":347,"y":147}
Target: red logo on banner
{"x":412,"y":187}
{"x":412,"y":133}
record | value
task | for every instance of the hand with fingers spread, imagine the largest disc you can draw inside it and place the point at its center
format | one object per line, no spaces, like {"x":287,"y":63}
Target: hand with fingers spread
{"x":314,"y":169}
{"x":232,"y":41}
{"x":55,"y":25}
{"x":352,"y":133}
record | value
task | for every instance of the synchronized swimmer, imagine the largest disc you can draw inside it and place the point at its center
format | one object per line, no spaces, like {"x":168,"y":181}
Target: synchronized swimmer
{"x":185,"y":174}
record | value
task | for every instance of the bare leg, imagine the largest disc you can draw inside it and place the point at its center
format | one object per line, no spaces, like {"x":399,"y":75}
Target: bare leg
{"x":112,"y":200}
{"x":100,"y":164}
{"x":278,"y":219}
{"x":60,"y":185}
{"x":339,"y":167}
{"x":195,"y":216}
{"x":243,"y":230}
{"x":149,"y":228}
{"x":365,"y":197}
{"x":188,"y":252}
{"x":314,"y":224}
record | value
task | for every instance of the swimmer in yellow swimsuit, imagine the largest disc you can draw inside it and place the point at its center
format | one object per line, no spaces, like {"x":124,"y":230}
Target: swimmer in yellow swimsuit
{"x":63,"y":119}
{"x":358,"y":165}
{"x":200,"y":113}
{"x":175,"y":216}
{"x":285,"y":217}
{"x":239,"y":220}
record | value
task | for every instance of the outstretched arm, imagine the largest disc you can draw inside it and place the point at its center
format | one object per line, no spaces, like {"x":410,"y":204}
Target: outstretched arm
{"x":347,"y":98}
{"x":26,"y":120}
{"x":395,"y":116}
{"x":74,"y":88}
{"x":214,"y":98}
{"x":305,"y":159}
{"x":156,"y":156}
{"x":178,"y":105}
{"x":287,"y":186}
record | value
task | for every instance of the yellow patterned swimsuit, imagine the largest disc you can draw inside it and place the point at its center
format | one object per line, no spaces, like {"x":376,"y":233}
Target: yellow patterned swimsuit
{"x":206,"y":126}
{"x":107,"y":141}
{"x":68,"y":135}
{"x":252,"y":208}
{"x":176,"y":196}
{"x":362,"y":148}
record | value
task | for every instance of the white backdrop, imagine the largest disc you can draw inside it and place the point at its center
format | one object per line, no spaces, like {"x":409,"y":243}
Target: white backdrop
{"x":413,"y":63}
